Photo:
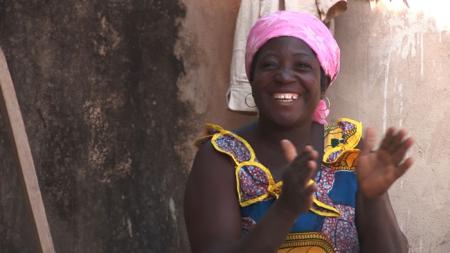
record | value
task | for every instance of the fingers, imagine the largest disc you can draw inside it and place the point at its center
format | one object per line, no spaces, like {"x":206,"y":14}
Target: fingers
{"x":290,"y":152}
{"x":307,"y":159}
{"x":369,"y":141}
{"x":399,"y":154}
{"x":304,"y":170}
{"x":397,"y":144}
{"x":310,"y":190}
{"x":313,"y":154}
{"x":393,"y":139}
{"x":298,"y":187}
{"x":386,"y":142}
{"x":397,"y":140}
{"x":398,"y":172}
{"x":312,"y":167}
{"x":303,"y":165}
{"x":402,"y":168}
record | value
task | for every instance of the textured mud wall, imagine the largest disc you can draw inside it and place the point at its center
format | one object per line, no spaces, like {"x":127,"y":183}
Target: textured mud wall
{"x":395,"y":73}
{"x":206,"y":45}
{"x":96,"y":81}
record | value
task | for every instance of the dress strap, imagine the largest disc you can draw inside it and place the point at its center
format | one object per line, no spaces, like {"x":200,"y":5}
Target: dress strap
{"x":231,"y":144}
{"x":254,"y":181}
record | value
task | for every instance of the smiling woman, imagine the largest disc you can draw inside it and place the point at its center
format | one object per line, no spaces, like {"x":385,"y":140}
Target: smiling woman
{"x":288,"y":181}
{"x":286,"y":81}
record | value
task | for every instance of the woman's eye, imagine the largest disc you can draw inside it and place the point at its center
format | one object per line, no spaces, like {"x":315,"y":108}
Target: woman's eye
{"x":269,"y":65}
{"x":302,"y":66}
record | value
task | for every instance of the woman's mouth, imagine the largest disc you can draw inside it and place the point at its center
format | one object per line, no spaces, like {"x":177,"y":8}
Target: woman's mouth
{"x":285,"y":98}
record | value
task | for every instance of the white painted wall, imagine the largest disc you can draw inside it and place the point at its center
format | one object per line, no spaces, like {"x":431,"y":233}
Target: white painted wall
{"x":396,"y":72}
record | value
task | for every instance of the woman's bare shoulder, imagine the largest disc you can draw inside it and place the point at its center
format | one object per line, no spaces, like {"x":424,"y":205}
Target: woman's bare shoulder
{"x":209,"y":160}
{"x":210,"y":194}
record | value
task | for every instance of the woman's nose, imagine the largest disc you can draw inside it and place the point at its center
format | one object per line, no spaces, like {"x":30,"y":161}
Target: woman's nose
{"x":285,"y":75}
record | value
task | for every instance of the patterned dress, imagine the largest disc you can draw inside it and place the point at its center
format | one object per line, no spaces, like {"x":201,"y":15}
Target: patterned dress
{"x":329,"y":225}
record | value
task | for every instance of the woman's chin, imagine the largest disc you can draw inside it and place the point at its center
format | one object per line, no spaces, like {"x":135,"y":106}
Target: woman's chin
{"x":290,"y":122}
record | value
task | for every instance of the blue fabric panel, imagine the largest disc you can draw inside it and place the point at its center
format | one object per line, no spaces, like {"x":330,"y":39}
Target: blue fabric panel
{"x":257,"y":210}
{"x":344,"y":188}
{"x":306,"y":222}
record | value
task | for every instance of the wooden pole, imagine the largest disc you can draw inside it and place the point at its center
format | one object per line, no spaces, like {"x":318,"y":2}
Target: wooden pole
{"x":17,"y":128}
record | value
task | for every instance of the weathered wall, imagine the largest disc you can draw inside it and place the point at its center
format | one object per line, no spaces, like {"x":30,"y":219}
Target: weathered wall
{"x":96,"y":81}
{"x":395,"y":73}
{"x":205,"y":45}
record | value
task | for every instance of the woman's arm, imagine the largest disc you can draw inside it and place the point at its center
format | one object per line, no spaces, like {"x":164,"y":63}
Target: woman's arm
{"x":212,"y":211}
{"x":377,"y":170}
{"x":377,"y":226}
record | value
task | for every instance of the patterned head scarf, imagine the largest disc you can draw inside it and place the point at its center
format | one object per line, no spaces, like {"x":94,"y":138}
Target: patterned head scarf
{"x":302,"y":26}
{"x":299,"y":25}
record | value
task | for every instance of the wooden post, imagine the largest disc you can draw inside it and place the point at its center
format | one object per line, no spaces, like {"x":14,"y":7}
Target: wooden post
{"x":13,"y":115}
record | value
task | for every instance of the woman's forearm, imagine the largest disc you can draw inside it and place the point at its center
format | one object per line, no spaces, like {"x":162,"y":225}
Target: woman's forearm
{"x":378,"y":227}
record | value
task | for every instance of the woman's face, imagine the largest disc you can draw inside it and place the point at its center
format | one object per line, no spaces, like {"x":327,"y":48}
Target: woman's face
{"x":286,"y":81}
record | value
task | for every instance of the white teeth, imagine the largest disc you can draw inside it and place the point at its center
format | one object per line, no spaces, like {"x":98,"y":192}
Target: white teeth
{"x":285,"y":96}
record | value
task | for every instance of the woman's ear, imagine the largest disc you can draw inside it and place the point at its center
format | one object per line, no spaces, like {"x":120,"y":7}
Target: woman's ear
{"x":324,"y":83}
{"x":323,"y":90}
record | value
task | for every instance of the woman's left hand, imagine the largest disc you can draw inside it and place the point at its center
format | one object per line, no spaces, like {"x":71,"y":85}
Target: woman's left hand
{"x":378,"y":170}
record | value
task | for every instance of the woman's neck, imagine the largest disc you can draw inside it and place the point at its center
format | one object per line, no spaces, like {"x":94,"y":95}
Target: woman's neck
{"x":269,"y":136}
{"x":299,"y":135}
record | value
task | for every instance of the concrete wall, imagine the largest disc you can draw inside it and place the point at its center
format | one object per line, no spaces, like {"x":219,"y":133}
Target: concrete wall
{"x":96,"y":81}
{"x":395,"y":73}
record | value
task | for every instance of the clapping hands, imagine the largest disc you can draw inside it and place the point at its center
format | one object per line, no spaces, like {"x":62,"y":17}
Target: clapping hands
{"x":298,"y":188}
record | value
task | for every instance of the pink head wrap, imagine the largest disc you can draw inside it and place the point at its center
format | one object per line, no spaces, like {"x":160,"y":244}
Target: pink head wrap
{"x":302,"y":26}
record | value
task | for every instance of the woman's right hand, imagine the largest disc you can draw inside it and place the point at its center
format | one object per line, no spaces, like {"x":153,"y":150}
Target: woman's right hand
{"x":297,"y":191}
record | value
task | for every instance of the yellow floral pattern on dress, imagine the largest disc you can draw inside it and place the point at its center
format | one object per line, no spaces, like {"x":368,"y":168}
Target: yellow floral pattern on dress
{"x":340,"y":142}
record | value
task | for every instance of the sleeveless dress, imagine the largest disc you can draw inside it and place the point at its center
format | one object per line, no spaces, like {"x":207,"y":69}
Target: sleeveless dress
{"x":329,"y":225}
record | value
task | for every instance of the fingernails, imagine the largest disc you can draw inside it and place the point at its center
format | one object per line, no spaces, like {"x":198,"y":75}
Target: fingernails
{"x":315,"y":153}
{"x":312,"y":164}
